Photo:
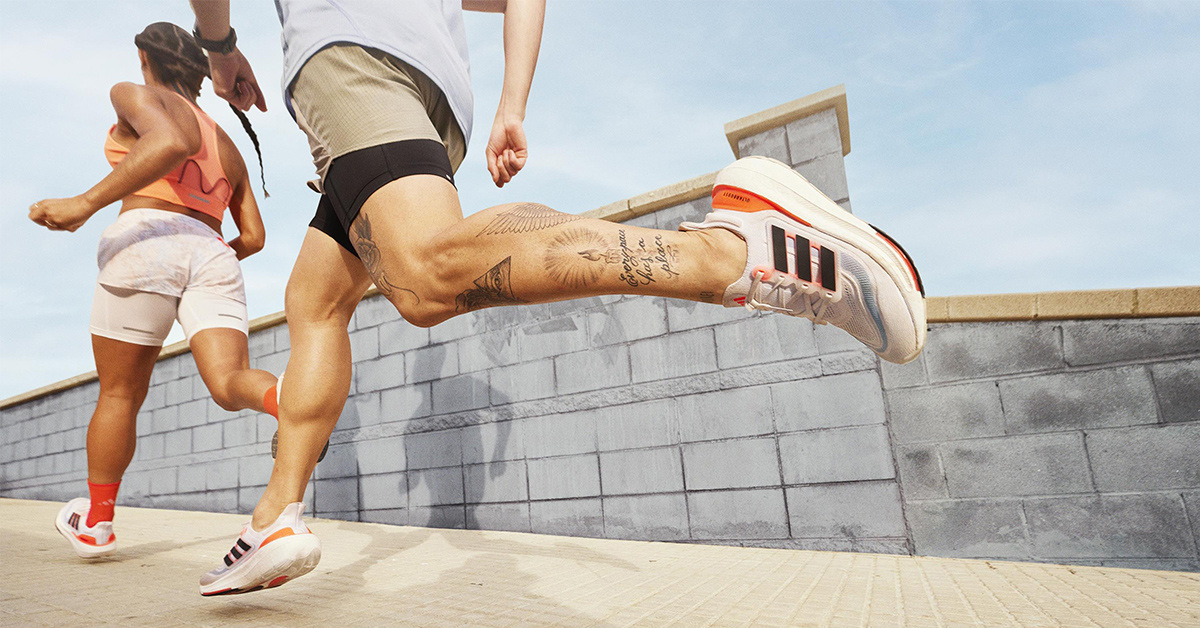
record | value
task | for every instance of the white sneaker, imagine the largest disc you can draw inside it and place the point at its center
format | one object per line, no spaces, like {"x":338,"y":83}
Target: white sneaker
{"x":284,"y":551}
{"x":88,"y":542}
{"x":808,"y":257}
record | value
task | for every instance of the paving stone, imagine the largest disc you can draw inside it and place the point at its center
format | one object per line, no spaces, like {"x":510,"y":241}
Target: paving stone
{"x":461,"y":393}
{"x":646,"y":517}
{"x":763,"y":340}
{"x":509,"y":517}
{"x":1066,"y":401}
{"x":834,"y":401}
{"x":1110,"y":526}
{"x":1178,"y":388}
{"x":430,"y":363}
{"x":434,"y":449}
{"x":560,"y":434}
{"x":855,"y":510}
{"x":593,"y":369}
{"x":569,"y":517}
{"x":983,"y":529}
{"x":496,"y":482}
{"x":435,"y":487}
{"x":944,"y":413}
{"x":385,"y":491}
{"x":405,"y":403}
{"x":627,"y":320}
{"x":742,"y":514}
{"x":841,"y":455}
{"x":1096,"y":342}
{"x":492,"y":442}
{"x":673,"y":355}
{"x":1039,"y":464}
{"x":570,"y":476}
{"x":522,"y":382}
{"x":921,"y":475}
{"x":966,"y":350}
{"x":725,"y":414}
{"x":729,"y":464}
{"x":1145,"y":458}
{"x":813,"y":136}
{"x":630,"y":426}
{"x":641,"y":471}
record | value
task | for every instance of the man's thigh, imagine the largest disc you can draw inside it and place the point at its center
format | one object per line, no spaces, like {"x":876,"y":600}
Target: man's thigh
{"x":327,"y":282}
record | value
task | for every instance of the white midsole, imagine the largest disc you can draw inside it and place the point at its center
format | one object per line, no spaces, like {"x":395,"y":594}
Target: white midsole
{"x":83,"y":549}
{"x":291,"y":556}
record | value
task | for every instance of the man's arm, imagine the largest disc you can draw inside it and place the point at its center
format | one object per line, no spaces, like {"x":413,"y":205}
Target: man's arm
{"x":232,"y":77}
{"x":507,"y":149}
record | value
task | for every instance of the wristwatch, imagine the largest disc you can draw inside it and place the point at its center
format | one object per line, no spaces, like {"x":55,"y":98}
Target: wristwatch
{"x":219,"y":46}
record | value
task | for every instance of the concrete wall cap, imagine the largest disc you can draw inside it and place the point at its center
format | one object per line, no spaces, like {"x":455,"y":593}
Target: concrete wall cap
{"x":780,"y":115}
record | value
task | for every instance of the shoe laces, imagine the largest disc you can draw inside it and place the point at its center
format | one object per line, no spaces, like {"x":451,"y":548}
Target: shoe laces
{"x":808,"y":300}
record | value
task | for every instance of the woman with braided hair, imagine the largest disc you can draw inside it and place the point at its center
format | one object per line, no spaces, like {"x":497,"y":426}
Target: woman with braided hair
{"x":175,"y":172}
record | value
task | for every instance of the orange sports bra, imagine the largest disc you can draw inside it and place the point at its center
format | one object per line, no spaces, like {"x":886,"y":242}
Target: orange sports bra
{"x":199,"y":183}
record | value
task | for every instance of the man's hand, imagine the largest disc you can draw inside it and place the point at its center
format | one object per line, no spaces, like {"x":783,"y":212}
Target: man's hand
{"x":506,"y":149}
{"x":234,"y":81}
{"x":62,"y":214}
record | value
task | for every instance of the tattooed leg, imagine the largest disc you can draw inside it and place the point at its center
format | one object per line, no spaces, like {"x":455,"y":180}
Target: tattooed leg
{"x":372,"y":258}
{"x":492,"y":288}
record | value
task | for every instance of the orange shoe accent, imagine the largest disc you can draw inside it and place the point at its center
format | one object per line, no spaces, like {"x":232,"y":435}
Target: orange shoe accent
{"x":279,"y":534}
{"x":739,"y":200}
{"x":271,"y":403}
{"x":277,"y":581}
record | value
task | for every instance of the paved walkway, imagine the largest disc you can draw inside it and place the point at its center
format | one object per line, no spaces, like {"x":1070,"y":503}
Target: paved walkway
{"x":376,"y":575}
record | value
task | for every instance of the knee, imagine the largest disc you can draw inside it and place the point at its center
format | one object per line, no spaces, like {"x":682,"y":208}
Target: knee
{"x":223,"y":398}
{"x":427,"y":296}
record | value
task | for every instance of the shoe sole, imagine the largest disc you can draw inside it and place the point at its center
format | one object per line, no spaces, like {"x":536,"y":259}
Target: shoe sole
{"x":284,"y":560}
{"x":83,"y":549}
{"x":785,"y":188}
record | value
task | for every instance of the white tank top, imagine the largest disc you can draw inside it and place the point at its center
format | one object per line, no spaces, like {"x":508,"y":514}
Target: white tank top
{"x":427,"y":34}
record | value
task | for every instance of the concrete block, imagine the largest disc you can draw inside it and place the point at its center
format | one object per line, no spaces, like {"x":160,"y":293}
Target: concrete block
{"x":385,"y":372}
{"x":134,"y":485}
{"x":164,"y":481}
{"x":1178,"y":387}
{"x":567,"y":517}
{"x":283,"y":340}
{"x":725,"y":414}
{"x":165,"y":371}
{"x":694,"y":211}
{"x":561,"y":434}
{"x":364,"y":344}
{"x":434,"y":449}
{"x":432,"y":362}
{"x":405,"y":403}
{"x":221,"y":474}
{"x":435,"y":487}
{"x":903,"y":375}
{"x":177,"y":443}
{"x":488,"y":349}
{"x":493,"y":442}
{"x":437,"y":516}
{"x":1191,"y":501}
{"x":570,"y":476}
{"x":544,"y":339}
{"x":748,"y":514}
{"x":831,"y":339}
{"x":167,"y":419}
{"x":254,"y":470}
{"x":968,"y":529}
{"x":456,"y":328}
{"x":730,"y":464}
{"x":207,"y":437}
{"x":857,"y":510}
{"x":921,"y":474}
{"x":374,"y":311}
{"x":685,"y":315}
{"x":1101,"y":341}
{"x":813,"y":136}
{"x":1110,"y":526}
{"x":828,"y":173}
{"x":841,"y":455}
{"x":54,"y":443}
{"x":1146,"y":458}
{"x":945,"y":413}
{"x":273,"y":363}
{"x":341,"y":461}
{"x":594,"y":369}
{"x":1040,"y":464}
{"x":335,"y":495}
{"x":833,"y":401}
{"x":496,"y":482}
{"x":968,"y":350}
{"x":262,"y":342}
{"x":179,"y":391}
{"x":156,"y":397}
{"x":240,"y":431}
{"x":646,"y":517}
{"x":674,"y":355}
{"x":192,"y":478}
{"x":1076,"y":400}
{"x":508,"y":517}
{"x":646,"y":424}
{"x":641,"y":471}
{"x":360,"y":411}
{"x":248,"y":499}
{"x":461,"y":393}
{"x":770,"y":143}
{"x":763,"y":340}
{"x":397,"y":336}
{"x":627,"y":320}
{"x":386,"y":491}
{"x":390,"y":516}
{"x":522,"y":382}
{"x":151,"y":446}
{"x":380,"y":455}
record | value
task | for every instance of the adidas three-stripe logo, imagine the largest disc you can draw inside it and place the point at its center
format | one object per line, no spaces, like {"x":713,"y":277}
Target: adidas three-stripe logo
{"x":73,"y":521}
{"x":794,"y":254}
{"x":239,"y":548}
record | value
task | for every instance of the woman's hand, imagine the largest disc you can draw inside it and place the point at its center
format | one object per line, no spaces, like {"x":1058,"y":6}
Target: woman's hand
{"x":62,"y":214}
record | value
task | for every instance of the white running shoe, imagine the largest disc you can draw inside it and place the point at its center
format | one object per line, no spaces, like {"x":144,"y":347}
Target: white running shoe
{"x":286,"y":550}
{"x":88,"y":542}
{"x":808,"y":257}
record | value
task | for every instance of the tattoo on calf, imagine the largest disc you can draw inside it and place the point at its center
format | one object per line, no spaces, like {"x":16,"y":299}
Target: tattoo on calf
{"x":707,"y":296}
{"x":524,"y":218}
{"x":576,"y":257}
{"x":491,"y":288}
{"x":642,"y":264}
{"x":372,"y":258}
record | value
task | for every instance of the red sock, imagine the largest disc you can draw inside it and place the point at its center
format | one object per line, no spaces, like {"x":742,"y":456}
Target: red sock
{"x":104,"y":497}
{"x":271,"y":403}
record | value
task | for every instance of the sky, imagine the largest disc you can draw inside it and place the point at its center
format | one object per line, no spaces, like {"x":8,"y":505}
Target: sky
{"x":1010,"y":147}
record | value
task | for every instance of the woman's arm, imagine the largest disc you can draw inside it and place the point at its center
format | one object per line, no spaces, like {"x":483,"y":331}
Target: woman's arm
{"x":243,"y":208}
{"x":161,"y":146}
{"x":507,"y":149}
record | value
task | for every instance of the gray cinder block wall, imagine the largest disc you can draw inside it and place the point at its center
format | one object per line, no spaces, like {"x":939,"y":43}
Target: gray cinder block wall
{"x":642,"y":418}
